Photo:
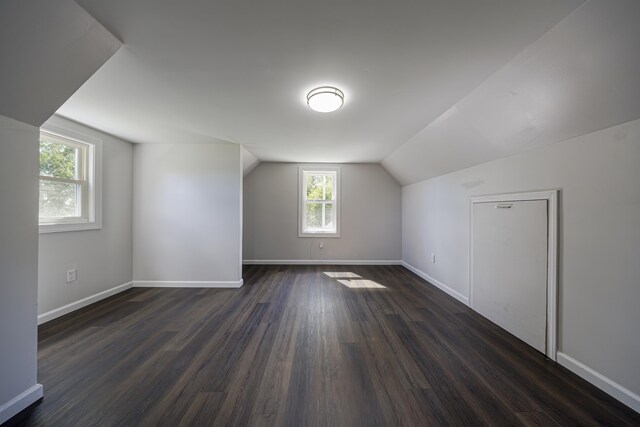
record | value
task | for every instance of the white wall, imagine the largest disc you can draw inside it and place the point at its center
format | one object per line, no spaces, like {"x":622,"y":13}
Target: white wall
{"x":599,"y":283}
{"x":104,"y":257}
{"x":18,"y":264}
{"x":370,"y":216}
{"x":187,"y":213}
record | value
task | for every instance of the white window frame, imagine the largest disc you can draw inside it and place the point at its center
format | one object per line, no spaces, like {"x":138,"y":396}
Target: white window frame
{"x":306,"y":170}
{"x":91,"y":185}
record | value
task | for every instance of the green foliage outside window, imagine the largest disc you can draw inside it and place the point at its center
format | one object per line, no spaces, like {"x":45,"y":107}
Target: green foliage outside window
{"x":58,"y":199}
{"x":319,"y":187}
{"x":57,"y":160}
{"x":315,"y":184}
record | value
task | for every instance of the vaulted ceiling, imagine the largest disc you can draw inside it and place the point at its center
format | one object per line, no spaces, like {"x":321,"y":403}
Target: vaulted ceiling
{"x":47,"y":51}
{"x":431,"y":86}
{"x":239,"y":70}
{"x":582,"y":76}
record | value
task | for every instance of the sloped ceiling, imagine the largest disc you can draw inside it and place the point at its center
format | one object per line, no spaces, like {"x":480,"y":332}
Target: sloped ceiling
{"x":238,"y":71}
{"x":249,"y":161}
{"x":48,"y":49}
{"x":432,"y":86}
{"x":582,"y":76}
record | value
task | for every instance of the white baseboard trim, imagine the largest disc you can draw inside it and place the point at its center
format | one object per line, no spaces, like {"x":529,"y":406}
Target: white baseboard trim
{"x":20,"y":402}
{"x":457,"y":295}
{"x":185,"y":284}
{"x":58,"y":312}
{"x":54,"y":314}
{"x":605,"y":384}
{"x":320,"y":262}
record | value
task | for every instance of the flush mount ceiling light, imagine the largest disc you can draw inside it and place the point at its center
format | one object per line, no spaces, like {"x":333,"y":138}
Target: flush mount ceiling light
{"x":325,"y":99}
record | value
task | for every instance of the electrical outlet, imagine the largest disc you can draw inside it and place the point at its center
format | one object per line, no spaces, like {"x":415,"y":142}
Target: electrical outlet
{"x":433,"y":258}
{"x":72,"y":275}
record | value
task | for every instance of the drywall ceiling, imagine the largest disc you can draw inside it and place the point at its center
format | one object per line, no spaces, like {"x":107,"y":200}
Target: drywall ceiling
{"x":193,"y":71}
{"x":582,"y":76}
{"x":47,"y":51}
{"x":249,"y":161}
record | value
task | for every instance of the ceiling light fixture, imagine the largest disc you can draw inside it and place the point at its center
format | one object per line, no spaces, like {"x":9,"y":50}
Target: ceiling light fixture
{"x":325,"y":99}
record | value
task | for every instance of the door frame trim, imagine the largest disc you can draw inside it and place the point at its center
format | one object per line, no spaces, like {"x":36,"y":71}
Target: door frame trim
{"x":551,"y":196}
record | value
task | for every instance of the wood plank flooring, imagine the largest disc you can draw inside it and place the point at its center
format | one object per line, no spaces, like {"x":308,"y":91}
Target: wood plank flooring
{"x":297,"y":347}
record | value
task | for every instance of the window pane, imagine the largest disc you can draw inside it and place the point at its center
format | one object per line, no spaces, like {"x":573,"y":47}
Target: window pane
{"x":59,"y":199}
{"x":313,"y":215}
{"x":329,"y":188}
{"x":58,"y":160}
{"x":313,"y":184}
{"x":328,"y":216}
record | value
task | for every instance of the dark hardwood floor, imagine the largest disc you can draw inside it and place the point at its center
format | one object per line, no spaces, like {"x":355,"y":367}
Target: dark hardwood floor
{"x":296,"y":347}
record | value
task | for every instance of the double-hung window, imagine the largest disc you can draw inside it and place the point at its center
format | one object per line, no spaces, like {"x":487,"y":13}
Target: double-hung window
{"x":319,"y":202}
{"x":67,"y":183}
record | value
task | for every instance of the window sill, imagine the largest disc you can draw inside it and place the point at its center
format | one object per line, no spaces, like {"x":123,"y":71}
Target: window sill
{"x":61,"y":228}
{"x":318,"y":234}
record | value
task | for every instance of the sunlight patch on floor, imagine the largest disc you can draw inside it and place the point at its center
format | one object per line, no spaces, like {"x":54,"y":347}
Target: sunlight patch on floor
{"x":342,"y":275}
{"x":362,"y":284}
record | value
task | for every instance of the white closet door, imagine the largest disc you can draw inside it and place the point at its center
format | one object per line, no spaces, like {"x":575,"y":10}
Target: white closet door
{"x":510,"y":267}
